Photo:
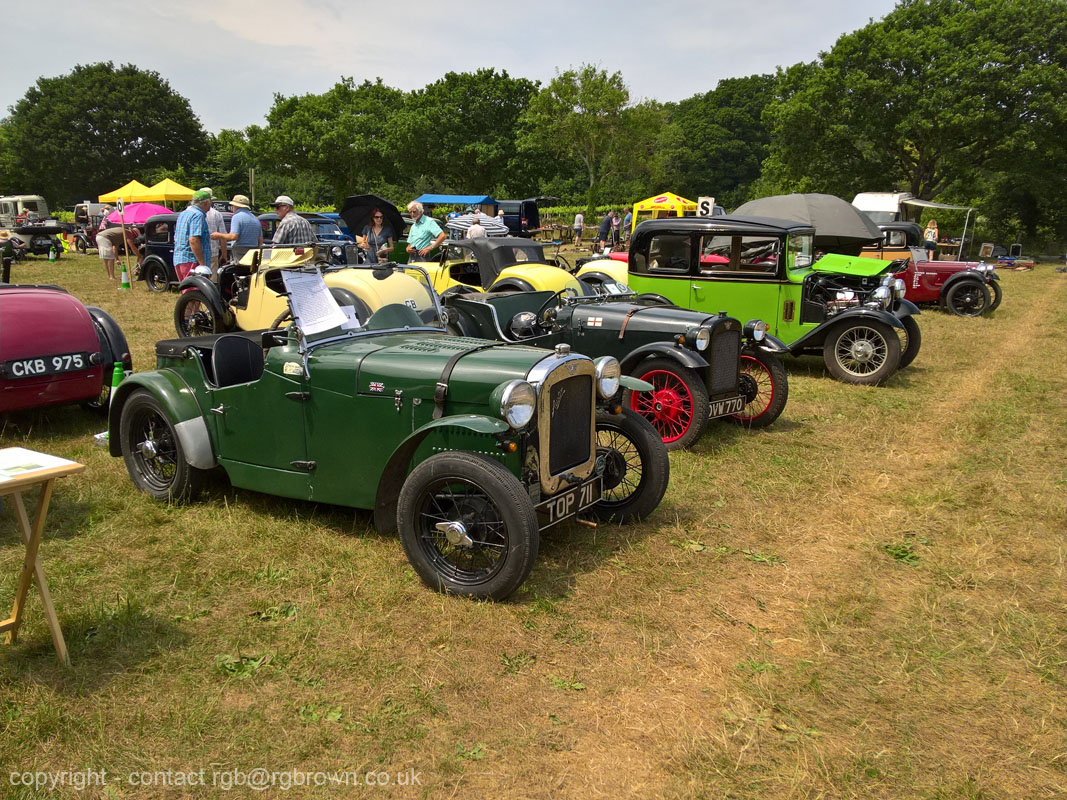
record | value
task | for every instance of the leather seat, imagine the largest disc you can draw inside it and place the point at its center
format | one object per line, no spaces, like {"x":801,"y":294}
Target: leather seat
{"x":236,"y":359}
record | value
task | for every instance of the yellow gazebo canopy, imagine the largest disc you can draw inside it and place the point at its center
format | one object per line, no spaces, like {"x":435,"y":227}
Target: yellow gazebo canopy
{"x":127,"y":193}
{"x":163,"y":191}
{"x":666,"y":204}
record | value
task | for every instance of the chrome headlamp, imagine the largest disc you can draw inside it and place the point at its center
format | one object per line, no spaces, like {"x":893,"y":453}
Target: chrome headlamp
{"x":518,"y":401}
{"x":755,"y":329}
{"x":883,"y":295}
{"x":898,"y":288}
{"x":608,"y":373}
{"x":698,"y":338}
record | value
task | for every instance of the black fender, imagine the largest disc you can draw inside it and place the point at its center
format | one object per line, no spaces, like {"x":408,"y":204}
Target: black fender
{"x":511,"y":284}
{"x":652,"y":299}
{"x":603,"y":277}
{"x":905,"y":308}
{"x":816,"y":337}
{"x":967,"y":274}
{"x":209,"y":290}
{"x":769,"y":344}
{"x":112,"y":341}
{"x":684,"y":356}
{"x":154,"y":259}
{"x":396,"y":471}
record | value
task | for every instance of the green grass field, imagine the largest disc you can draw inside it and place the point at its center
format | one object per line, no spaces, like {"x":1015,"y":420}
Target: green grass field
{"x":866,"y":600}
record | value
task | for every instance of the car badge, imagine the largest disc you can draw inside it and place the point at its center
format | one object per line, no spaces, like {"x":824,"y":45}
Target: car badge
{"x":292,"y":368}
{"x":571,"y":367}
{"x":377,"y":386}
{"x":596,"y":322}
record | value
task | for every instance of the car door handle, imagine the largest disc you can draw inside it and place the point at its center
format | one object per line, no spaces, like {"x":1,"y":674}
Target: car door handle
{"x":220,"y":410}
{"x":298,"y":395}
{"x":696,"y":287}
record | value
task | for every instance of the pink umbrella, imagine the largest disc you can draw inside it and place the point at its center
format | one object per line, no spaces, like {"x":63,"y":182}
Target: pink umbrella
{"x":137,"y":213}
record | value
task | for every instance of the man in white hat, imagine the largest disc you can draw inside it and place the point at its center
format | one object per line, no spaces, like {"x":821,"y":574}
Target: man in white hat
{"x":292,"y":228}
{"x":245,"y":230}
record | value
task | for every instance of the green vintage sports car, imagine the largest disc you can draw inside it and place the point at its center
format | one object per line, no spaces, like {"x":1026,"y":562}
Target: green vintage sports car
{"x":700,"y":366}
{"x":469,"y":447}
{"x":850,"y":310}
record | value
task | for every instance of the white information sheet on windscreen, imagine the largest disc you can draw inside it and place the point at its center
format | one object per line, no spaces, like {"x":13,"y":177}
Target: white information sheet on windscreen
{"x":314,"y":309}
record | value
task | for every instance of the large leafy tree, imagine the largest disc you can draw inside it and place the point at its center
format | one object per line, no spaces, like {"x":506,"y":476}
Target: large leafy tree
{"x":580,"y":116}
{"x":340,"y":135}
{"x":936,"y":97}
{"x":715,"y":142}
{"x":82,"y":134}
{"x":461,"y":130}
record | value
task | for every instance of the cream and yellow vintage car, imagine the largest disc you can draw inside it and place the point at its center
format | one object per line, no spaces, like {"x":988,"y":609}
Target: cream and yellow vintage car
{"x":505,"y":263}
{"x":250,"y":295}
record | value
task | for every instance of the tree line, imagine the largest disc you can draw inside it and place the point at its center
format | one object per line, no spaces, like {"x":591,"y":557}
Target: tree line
{"x":960,"y":101}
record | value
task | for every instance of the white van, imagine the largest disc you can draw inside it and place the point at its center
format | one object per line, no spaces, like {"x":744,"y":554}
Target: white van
{"x":15,"y":209}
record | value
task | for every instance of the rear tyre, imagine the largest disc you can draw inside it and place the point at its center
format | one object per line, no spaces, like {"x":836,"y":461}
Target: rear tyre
{"x":862,"y":352}
{"x":910,"y":341}
{"x":677,"y":406}
{"x":967,"y":298}
{"x":80,"y":246}
{"x":468,"y":526}
{"x":153,"y":453}
{"x":155,"y":277}
{"x":765,"y":385}
{"x":636,"y":466}
{"x":194,"y":316}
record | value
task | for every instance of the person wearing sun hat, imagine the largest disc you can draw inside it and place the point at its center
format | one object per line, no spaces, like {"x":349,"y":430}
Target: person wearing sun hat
{"x":292,"y":228}
{"x":192,"y":239}
{"x":245,"y":230}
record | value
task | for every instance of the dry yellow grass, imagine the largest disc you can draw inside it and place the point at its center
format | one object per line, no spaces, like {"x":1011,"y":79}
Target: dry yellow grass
{"x":866,"y":600}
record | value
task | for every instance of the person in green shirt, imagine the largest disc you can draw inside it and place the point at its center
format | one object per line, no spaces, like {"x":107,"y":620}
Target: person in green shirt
{"x":425,"y":234}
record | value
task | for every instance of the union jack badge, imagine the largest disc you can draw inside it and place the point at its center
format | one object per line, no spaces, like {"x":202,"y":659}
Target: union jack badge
{"x":596,"y":322}
{"x":377,"y":386}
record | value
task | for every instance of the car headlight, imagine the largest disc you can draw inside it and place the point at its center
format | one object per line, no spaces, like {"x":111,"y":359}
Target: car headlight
{"x":882,"y":294}
{"x":608,"y":373}
{"x":699,"y":338}
{"x":887,"y":279}
{"x":898,"y":288}
{"x":518,"y":401}
{"x":755,"y":329}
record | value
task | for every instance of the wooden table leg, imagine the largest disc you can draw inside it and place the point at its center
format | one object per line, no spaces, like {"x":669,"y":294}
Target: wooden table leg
{"x":32,"y":568}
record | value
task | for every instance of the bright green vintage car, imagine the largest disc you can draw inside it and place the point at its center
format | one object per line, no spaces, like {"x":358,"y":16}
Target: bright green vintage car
{"x":469,"y":447}
{"x":850,"y":310}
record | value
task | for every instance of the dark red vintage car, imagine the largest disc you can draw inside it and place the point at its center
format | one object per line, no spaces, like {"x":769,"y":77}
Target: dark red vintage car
{"x":965,"y":288}
{"x":55,"y":350}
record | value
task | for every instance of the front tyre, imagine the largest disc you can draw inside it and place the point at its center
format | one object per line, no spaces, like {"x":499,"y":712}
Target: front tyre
{"x":153,"y":452}
{"x":155,"y":277}
{"x":468,"y":526}
{"x":636,"y":469}
{"x":765,"y":385}
{"x":677,"y":406}
{"x":994,"y":289}
{"x":862,"y":352}
{"x":194,"y":316}
{"x":910,"y":341}
{"x":967,"y":298}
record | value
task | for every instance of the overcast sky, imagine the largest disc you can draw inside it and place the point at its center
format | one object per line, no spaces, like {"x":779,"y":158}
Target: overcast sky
{"x":230,"y":58}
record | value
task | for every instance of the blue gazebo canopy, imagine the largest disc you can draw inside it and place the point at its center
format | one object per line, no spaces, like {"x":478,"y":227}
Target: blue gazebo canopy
{"x":457,"y":199}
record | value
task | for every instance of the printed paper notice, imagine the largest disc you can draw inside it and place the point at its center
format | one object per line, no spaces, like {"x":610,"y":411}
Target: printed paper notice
{"x":314,"y":309}
{"x":18,"y":461}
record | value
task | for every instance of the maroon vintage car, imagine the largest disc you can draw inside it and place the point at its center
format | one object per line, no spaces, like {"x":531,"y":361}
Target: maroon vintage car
{"x":965,"y":288}
{"x":55,"y":350}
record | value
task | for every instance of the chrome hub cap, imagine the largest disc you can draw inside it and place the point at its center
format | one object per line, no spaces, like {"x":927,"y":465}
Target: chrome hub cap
{"x":862,"y":351}
{"x":456,"y":533}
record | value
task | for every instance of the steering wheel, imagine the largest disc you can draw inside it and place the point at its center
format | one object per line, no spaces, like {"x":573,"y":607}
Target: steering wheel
{"x":554,"y":300}
{"x":277,"y":324}
{"x":562,"y":263}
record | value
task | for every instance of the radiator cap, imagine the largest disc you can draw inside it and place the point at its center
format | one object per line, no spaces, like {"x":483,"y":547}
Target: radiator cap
{"x":563,"y":350}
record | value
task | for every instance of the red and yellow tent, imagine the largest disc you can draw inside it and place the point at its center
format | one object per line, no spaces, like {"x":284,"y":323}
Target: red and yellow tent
{"x":666,"y":204}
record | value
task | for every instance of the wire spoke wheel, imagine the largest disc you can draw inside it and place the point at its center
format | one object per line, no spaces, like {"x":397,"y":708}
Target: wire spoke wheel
{"x":622,"y":476}
{"x":757,"y":385}
{"x":677,"y":405}
{"x":636,"y":468}
{"x":861,"y":351}
{"x":461,"y":530}
{"x":193,"y":315}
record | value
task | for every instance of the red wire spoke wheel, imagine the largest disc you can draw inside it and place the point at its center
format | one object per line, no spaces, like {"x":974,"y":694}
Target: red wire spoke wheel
{"x":677,"y":406}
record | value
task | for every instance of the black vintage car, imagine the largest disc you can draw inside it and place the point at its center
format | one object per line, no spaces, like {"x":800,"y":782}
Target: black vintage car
{"x":157,"y":268}
{"x":701,"y":366}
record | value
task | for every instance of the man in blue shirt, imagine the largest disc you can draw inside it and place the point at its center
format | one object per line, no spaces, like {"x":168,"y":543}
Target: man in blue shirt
{"x":192,"y":239}
{"x":425,"y":234}
{"x":245,"y":230}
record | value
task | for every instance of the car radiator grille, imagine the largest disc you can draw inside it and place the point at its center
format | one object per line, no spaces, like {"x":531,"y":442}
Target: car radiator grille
{"x":569,"y":441}
{"x":725,"y":355}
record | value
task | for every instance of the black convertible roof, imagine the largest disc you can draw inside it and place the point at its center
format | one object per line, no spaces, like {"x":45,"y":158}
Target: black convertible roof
{"x":726,"y":224}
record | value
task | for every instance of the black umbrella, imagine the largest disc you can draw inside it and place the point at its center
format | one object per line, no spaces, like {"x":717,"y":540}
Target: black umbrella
{"x":357,"y":209}
{"x":839,"y":226}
